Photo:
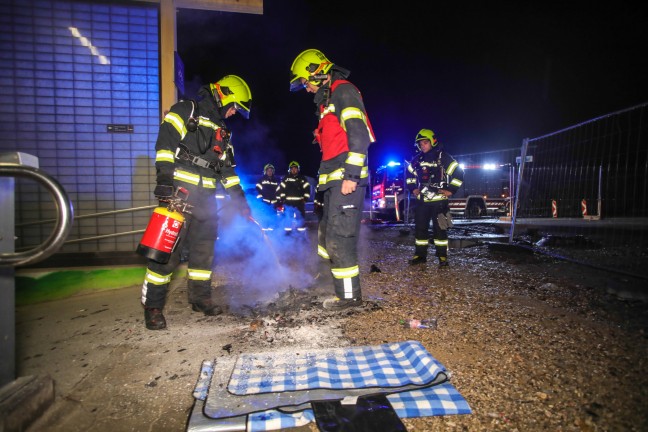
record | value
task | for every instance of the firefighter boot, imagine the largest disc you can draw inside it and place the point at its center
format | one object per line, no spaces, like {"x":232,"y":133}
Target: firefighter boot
{"x":337,"y":304}
{"x":207,"y":307}
{"x":443,"y":262}
{"x":418,"y":260}
{"x":154,"y":319}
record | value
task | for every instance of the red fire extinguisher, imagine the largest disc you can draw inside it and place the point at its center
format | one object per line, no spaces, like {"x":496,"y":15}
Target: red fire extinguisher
{"x":163,"y":231}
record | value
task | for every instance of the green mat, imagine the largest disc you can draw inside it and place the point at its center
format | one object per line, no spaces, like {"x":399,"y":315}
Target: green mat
{"x":59,"y":284}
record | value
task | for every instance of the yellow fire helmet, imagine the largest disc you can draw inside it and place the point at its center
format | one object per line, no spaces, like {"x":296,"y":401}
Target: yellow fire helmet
{"x":425,"y":134}
{"x":311,"y":65}
{"x":293,"y":164}
{"x":231,"y":89}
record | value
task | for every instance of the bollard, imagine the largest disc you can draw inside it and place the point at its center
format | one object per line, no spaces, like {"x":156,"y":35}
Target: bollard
{"x":554,"y":209}
{"x":584,"y":207}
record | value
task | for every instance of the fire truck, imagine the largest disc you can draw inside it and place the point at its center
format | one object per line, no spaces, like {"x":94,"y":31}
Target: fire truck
{"x":389,"y":197}
{"x":485,"y":192}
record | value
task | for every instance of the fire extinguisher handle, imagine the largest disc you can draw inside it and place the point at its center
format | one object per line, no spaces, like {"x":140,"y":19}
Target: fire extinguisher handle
{"x":182,"y":193}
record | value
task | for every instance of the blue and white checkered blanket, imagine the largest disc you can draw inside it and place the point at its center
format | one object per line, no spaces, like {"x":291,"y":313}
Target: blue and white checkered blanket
{"x":272,"y":391}
{"x":438,"y":400}
{"x":387,"y":366}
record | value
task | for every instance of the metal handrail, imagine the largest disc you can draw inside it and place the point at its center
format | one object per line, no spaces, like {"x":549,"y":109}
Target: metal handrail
{"x":90,"y":215}
{"x":65,"y":215}
{"x":93,"y":215}
{"x":105,"y":236}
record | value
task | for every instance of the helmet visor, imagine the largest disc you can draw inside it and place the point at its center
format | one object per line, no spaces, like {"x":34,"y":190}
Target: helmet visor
{"x":296,"y":83}
{"x":243,"y":108}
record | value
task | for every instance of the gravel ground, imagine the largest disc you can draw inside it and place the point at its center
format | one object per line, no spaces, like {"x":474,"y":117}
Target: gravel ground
{"x":533,"y":343}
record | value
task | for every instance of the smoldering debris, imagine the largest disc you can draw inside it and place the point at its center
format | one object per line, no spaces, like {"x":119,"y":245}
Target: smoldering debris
{"x":290,"y":301}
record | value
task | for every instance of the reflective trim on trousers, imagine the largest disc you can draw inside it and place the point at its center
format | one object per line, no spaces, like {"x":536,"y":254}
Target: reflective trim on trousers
{"x":343,"y":273}
{"x":348,"y":288}
{"x":321,"y":251}
{"x":154,"y":279}
{"x":199,"y":275}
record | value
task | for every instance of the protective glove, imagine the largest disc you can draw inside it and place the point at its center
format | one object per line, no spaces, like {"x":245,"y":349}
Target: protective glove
{"x":318,"y":204}
{"x":163,"y":192}
{"x":318,"y":209}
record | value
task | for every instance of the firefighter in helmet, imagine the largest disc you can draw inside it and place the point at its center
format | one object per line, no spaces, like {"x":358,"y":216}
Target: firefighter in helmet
{"x":266,"y":189}
{"x":293,"y":192}
{"x":432,"y":176}
{"x":267,"y":185}
{"x":194,"y":151}
{"x":344,"y":134}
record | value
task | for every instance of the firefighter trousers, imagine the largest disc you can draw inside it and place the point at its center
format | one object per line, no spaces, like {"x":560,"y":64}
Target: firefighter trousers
{"x":198,"y":238}
{"x":338,"y":235}
{"x":439,"y":213}
{"x":295,"y":212}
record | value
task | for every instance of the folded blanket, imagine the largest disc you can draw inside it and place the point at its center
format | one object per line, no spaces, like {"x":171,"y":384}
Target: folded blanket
{"x":385,"y":366}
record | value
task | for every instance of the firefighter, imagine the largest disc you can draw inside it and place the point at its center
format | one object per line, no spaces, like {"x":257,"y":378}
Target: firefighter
{"x":293,"y":192}
{"x":193,"y":150}
{"x":344,"y":134}
{"x":267,"y":186}
{"x":267,"y":193}
{"x":432,"y":176}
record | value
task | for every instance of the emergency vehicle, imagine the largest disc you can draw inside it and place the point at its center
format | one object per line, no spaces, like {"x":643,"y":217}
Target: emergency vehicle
{"x":485,"y":192}
{"x":388,"y":192}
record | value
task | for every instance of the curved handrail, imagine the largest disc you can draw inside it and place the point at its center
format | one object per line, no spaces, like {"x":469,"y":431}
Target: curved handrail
{"x":65,"y":215}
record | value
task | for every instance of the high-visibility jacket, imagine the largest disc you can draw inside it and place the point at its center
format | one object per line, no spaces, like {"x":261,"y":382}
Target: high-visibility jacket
{"x":197,"y":159}
{"x":431,"y":171}
{"x":266,"y":189}
{"x":293,"y":188}
{"x":344,"y":134}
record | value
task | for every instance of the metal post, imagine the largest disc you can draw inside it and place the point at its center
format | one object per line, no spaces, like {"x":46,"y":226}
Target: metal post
{"x":511,"y":189}
{"x":22,"y":165}
{"x":599,"y":199}
{"x":600,"y":192}
{"x":514,"y":202}
{"x":7,"y":285}
{"x":7,"y":273}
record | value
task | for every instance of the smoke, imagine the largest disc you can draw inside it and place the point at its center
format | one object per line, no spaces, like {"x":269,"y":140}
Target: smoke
{"x":264,"y":263}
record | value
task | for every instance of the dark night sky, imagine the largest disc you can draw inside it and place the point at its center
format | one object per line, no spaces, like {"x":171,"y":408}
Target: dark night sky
{"x":483,"y":76}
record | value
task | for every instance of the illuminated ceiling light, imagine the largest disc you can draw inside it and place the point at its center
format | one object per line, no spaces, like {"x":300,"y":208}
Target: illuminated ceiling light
{"x":84,"y":41}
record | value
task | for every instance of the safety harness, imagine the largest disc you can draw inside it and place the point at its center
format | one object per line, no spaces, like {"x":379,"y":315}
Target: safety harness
{"x":183,"y":153}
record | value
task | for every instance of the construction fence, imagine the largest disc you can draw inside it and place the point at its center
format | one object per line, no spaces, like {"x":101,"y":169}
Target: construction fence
{"x":590,"y":179}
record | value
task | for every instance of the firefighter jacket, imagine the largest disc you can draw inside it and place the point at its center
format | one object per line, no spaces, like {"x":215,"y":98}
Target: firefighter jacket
{"x":431,"y":171}
{"x":267,"y":189}
{"x":293,"y":189}
{"x":344,"y":133}
{"x":197,"y":160}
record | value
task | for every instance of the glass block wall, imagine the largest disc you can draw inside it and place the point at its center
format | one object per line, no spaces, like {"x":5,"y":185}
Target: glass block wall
{"x":79,"y":89}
